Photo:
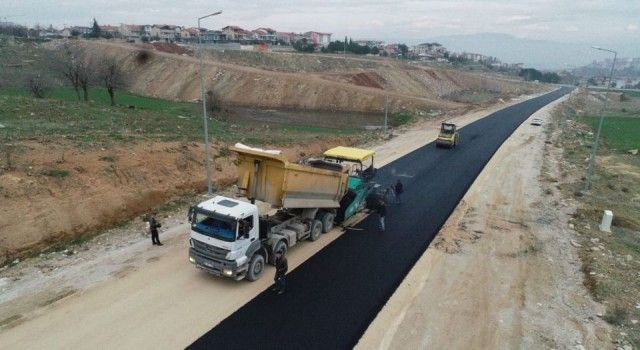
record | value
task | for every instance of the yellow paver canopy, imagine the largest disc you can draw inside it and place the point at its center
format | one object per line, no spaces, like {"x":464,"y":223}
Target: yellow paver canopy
{"x":349,"y":153}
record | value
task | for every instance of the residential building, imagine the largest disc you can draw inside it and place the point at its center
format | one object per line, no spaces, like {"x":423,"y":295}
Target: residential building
{"x":370,"y":43}
{"x":391,"y":50}
{"x":235,"y":33}
{"x":75,"y":31}
{"x":190,"y":34}
{"x":165,"y":32}
{"x":475,"y":57}
{"x":265,"y":35}
{"x":285,"y":37}
{"x":318,"y":38}
{"x":213,"y":36}
{"x":131,"y":31}
{"x":112,"y":31}
{"x":428,"y":51}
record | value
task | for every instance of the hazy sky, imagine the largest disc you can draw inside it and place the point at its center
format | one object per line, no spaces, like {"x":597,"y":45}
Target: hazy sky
{"x":584,"y":21}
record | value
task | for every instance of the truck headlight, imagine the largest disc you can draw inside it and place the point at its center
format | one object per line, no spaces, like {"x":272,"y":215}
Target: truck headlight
{"x":192,"y":260}
{"x":227,"y":272}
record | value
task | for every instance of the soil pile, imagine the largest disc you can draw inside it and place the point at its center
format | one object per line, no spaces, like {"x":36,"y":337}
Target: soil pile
{"x":58,"y":193}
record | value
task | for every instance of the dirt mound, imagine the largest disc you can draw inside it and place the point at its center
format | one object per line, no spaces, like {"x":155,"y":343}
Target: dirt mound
{"x":409,"y":88}
{"x":168,"y":48}
{"x":433,"y":74}
{"x":58,"y":193}
{"x":372,"y":80}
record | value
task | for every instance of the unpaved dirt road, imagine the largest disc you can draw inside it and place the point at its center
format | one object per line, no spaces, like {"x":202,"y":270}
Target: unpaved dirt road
{"x":502,"y":272}
{"x":157,"y":299}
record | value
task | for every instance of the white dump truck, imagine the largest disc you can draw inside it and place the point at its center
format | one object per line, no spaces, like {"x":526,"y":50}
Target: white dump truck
{"x":232,"y":238}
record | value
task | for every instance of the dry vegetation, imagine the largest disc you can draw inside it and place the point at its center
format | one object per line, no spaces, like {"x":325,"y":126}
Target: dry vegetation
{"x":611,"y":261}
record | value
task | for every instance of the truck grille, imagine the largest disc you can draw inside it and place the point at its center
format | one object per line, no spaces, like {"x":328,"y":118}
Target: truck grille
{"x":209,"y":251}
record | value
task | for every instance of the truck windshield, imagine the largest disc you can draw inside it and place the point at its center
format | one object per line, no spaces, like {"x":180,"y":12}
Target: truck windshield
{"x":220,"y":227}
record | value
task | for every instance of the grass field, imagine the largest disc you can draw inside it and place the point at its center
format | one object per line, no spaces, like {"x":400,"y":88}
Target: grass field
{"x":62,"y":115}
{"x":619,"y":133}
{"x":99,"y":96}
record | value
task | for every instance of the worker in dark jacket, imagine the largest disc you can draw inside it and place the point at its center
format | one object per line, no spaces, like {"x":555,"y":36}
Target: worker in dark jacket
{"x":282,"y":267}
{"x":153,"y":227}
{"x":381,"y":209}
{"x":399,"y":188}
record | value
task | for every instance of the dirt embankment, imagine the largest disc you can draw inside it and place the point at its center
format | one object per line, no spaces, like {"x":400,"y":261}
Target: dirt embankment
{"x":411,"y":88}
{"x":57,"y":193}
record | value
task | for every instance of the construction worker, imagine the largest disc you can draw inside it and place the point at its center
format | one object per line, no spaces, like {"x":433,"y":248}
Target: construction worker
{"x":282,"y":267}
{"x":389,"y":194}
{"x":399,"y":188}
{"x":382,"y":213}
{"x":153,"y":227}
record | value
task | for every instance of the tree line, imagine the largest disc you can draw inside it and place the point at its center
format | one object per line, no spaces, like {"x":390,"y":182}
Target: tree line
{"x":532,"y":74}
{"x":81,"y":71}
{"x":348,"y":45}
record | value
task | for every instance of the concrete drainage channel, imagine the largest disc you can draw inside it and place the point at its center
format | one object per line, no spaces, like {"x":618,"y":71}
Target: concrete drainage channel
{"x":333,"y":297}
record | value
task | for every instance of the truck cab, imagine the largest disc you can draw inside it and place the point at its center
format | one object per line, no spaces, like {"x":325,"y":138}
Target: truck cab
{"x":224,"y":236}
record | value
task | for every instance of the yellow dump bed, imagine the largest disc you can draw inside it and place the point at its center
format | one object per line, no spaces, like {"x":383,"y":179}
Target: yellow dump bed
{"x":269,"y":177}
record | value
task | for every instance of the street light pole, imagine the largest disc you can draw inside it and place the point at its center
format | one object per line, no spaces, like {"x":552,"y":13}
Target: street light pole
{"x":204,"y":106}
{"x":594,"y":148}
{"x":386,"y":109}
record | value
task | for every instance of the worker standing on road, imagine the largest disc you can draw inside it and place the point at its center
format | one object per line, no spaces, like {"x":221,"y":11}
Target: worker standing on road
{"x":399,"y":188}
{"x":382,"y":213}
{"x":389,"y":194}
{"x":282,"y":267}
{"x":153,"y":227}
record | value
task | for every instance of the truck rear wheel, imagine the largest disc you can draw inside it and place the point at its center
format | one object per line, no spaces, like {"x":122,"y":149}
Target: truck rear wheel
{"x":316,"y":230}
{"x":256,"y":266}
{"x":327,"y":222}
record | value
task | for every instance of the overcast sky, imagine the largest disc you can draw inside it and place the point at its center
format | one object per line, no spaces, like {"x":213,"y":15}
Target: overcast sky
{"x":585,"y":21}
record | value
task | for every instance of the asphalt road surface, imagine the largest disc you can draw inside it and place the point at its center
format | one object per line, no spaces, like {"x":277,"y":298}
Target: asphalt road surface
{"x":333,"y":297}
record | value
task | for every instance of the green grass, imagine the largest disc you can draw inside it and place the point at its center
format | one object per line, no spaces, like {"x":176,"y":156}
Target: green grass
{"x":632,"y":93}
{"x":62,"y":116}
{"x":620,"y":133}
{"x":99,"y":96}
{"x":56,"y":173}
{"x":398,"y":119}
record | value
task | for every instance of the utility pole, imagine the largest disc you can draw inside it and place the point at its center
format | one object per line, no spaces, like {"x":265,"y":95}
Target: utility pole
{"x":594,"y":148}
{"x":344,"y":48}
{"x":204,"y":107}
{"x":386,"y":109}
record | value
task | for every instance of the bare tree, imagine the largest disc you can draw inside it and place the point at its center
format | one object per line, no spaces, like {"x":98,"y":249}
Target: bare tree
{"x":37,"y":85}
{"x":74,"y":65}
{"x":213,"y":101}
{"x":112,"y":76}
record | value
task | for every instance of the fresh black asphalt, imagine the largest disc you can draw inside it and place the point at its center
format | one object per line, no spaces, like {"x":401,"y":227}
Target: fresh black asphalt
{"x":333,"y":297}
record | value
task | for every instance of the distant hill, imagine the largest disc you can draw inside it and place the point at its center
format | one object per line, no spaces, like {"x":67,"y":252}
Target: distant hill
{"x":625,"y":67}
{"x":542,"y":54}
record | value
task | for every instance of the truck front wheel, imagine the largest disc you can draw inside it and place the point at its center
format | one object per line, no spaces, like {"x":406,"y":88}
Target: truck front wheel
{"x":256,"y":266}
{"x":316,"y":230}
